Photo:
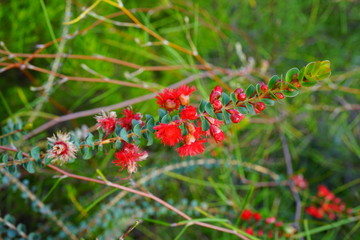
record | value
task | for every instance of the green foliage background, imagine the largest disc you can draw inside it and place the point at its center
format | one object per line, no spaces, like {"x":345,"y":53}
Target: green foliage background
{"x":321,"y":124}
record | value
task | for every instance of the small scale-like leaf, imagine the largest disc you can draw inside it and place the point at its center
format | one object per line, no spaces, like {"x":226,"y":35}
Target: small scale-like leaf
{"x":166,"y":119}
{"x":118,"y":144}
{"x":290,"y":74}
{"x":5,"y":158}
{"x":227,"y":117}
{"x":290,"y":93}
{"x":87,"y":154}
{"x":90,"y":140}
{"x":135,"y":139}
{"x":124,"y":135}
{"x":250,"y":91}
{"x":250,"y":108}
{"x":35,"y":153}
{"x":150,"y":124}
{"x":268,"y":102}
{"x":10,"y":219}
{"x":220,"y":116}
{"x":272,"y":81}
{"x":202,"y":105}
{"x":242,"y":110}
{"x":225,"y":99}
{"x":204,"y":124}
{"x":258,"y":90}
{"x":137,"y":129}
{"x":233,"y":97}
{"x":162,"y":113}
{"x":149,"y":138}
{"x":209,"y":109}
{"x":29,"y":166}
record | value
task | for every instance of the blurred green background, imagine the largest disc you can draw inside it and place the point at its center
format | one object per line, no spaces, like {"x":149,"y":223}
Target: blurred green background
{"x":321,"y":124}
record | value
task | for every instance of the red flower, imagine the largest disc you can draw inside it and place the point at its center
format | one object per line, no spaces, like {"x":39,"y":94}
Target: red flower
{"x":249,"y":230}
{"x":184,"y":93}
{"x":189,"y":113}
{"x":217,"y":133}
{"x":129,"y":115}
{"x":168,"y":99}
{"x":246,"y":215}
{"x":270,"y":220}
{"x":323,"y":191}
{"x":191,"y":149}
{"x":169,"y":134}
{"x":215,"y":93}
{"x":257,"y":216}
{"x":107,"y":123}
{"x":300,"y":181}
{"x":128,"y":157}
{"x":314,"y":212}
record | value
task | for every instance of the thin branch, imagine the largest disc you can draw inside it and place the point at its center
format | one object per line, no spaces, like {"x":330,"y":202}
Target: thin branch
{"x":290,"y":172}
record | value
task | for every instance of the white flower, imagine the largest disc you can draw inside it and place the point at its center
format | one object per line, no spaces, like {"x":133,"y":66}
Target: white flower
{"x":62,"y":150}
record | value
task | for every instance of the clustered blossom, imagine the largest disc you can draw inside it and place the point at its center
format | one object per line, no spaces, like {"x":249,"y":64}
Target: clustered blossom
{"x":169,"y":134}
{"x":170,"y":99}
{"x":327,"y":205}
{"x":129,"y":156}
{"x":271,"y":227}
{"x":106,"y":122}
{"x":62,"y":149}
{"x":129,"y":115}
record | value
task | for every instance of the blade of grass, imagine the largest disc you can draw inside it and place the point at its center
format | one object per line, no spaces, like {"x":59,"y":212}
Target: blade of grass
{"x":48,"y":24}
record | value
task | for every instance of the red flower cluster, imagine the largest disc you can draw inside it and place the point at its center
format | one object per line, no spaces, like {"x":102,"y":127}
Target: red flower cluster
{"x":170,"y":99}
{"x":267,"y":226}
{"x":299,"y":182}
{"x":129,"y":156}
{"x":108,"y":123}
{"x":169,"y":134}
{"x":327,"y":205}
{"x":129,"y":115}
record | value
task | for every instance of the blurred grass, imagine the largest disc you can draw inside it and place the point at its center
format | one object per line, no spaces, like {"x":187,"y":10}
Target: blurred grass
{"x":321,"y":124}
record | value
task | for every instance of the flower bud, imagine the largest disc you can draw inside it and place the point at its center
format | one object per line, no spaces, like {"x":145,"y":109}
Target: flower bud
{"x":279,"y":95}
{"x":263,"y":87}
{"x":236,"y":116}
{"x":184,"y":99}
{"x":170,"y":105}
{"x":217,"y":105}
{"x":239,"y":94}
{"x":217,"y":133}
{"x":260,"y":106}
{"x":215,"y":94}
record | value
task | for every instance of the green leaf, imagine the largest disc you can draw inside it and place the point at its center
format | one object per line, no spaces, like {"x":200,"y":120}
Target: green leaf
{"x":166,"y":119}
{"x":29,"y":166}
{"x":258,"y":90}
{"x":87,"y":154}
{"x":204,"y":124}
{"x":149,"y":138}
{"x":118,"y":144}
{"x":290,"y":93}
{"x":301,"y":75}
{"x":209,"y":109}
{"x":202,"y":105}
{"x":90,"y":140}
{"x":162,"y":113}
{"x":250,"y":91}
{"x":225,"y":99}
{"x":290,"y":74}
{"x":250,"y":108}
{"x":137,"y":129}
{"x":19,"y":155}
{"x":124,"y":135}
{"x":35,"y":153}
{"x":5,"y":158}
{"x":242,"y":110}
{"x":233,"y":97}
{"x":135,"y":139}
{"x":272,"y":81}
{"x":309,"y":83}
{"x":150,"y":125}
{"x":34,"y":236}
{"x":268,"y":102}
{"x":9,"y":218}
{"x":227,"y":117}
{"x":220,"y":116}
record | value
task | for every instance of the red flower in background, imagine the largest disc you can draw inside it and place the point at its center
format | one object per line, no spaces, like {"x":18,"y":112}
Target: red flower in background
{"x":129,"y":115}
{"x":300,"y":181}
{"x":169,"y":134}
{"x":189,"y":113}
{"x":128,"y":157}
{"x":246,"y":215}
